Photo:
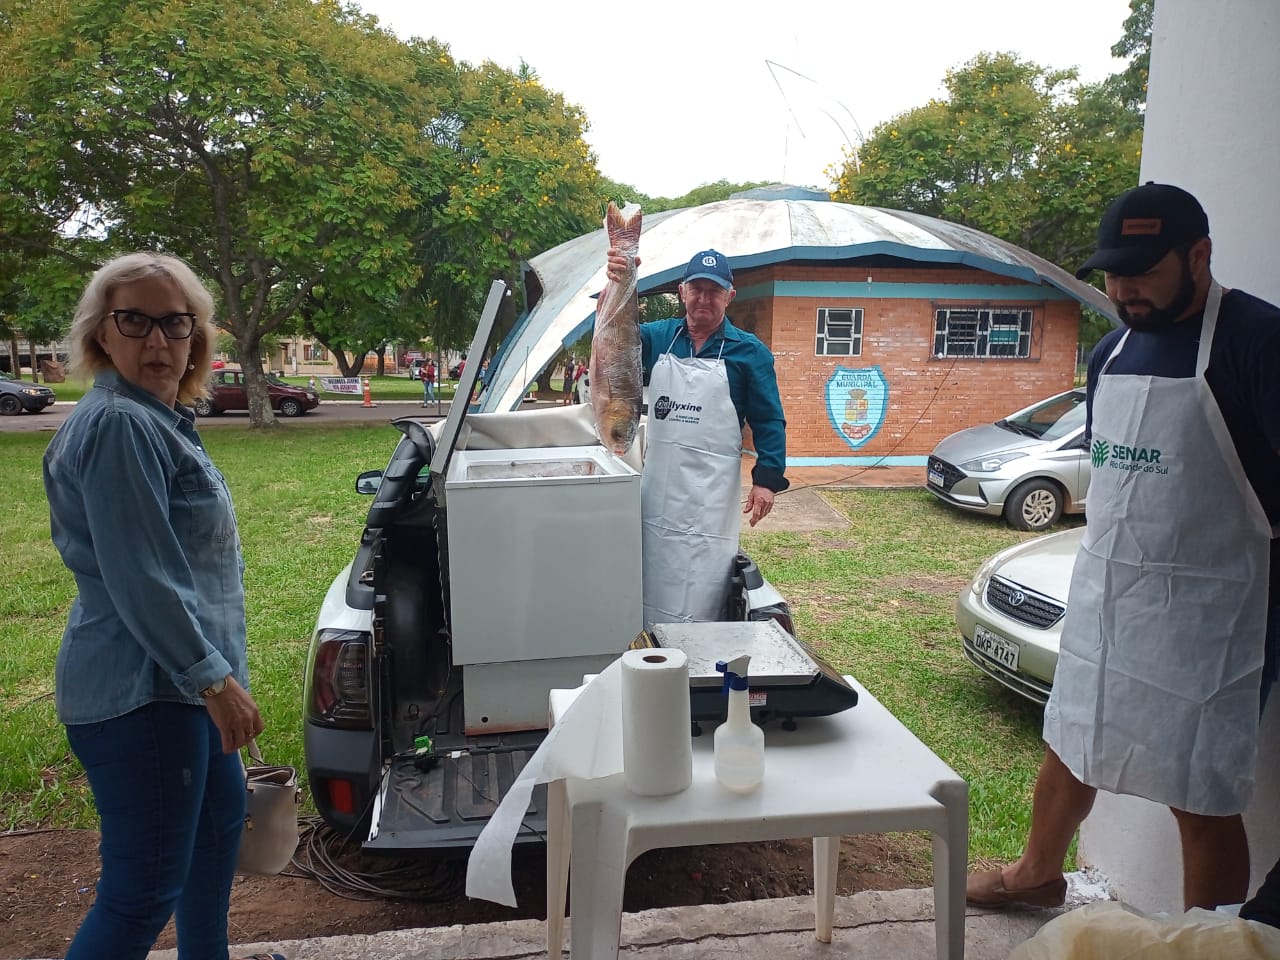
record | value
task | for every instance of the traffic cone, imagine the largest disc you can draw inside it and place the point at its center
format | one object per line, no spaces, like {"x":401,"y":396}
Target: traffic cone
{"x":368,"y":399}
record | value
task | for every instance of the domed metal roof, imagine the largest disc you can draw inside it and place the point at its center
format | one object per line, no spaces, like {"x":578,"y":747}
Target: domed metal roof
{"x":751,"y":233}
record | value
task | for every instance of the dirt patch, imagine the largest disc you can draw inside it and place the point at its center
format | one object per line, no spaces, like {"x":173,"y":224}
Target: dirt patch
{"x":47,"y":880}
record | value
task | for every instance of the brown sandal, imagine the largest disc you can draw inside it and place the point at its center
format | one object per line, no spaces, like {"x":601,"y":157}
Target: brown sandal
{"x":987,"y":890}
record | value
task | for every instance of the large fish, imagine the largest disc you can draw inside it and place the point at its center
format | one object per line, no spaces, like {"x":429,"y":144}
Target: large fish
{"x":617,"y":375}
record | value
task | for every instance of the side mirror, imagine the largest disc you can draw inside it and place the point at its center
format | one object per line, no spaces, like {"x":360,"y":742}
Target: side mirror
{"x":369,"y":482}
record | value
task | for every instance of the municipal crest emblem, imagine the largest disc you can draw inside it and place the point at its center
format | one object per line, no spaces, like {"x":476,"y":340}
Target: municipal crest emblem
{"x":856,"y":403}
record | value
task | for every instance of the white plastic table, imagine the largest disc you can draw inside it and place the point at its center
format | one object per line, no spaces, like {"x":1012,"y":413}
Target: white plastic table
{"x":860,"y":771}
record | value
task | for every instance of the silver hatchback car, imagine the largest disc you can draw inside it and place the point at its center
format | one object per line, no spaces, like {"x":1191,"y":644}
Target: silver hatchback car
{"x":1031,"y":467}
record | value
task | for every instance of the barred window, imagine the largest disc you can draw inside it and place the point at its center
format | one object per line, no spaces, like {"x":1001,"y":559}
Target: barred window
{"x":982,"y":332}
{"x":839,"y":332}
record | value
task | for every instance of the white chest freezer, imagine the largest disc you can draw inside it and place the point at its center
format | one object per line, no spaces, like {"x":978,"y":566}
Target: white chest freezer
{"x":544,"y":564}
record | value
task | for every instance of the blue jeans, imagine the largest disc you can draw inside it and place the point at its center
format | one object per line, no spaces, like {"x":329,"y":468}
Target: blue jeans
{"x":171,"y":806}
{"x":428,"y":391}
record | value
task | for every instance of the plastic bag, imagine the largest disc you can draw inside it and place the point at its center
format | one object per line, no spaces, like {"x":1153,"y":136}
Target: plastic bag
{"x":1113,"y":931}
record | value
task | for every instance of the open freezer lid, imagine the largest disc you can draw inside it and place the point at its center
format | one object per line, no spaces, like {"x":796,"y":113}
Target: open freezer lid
{"x":447,"y":439}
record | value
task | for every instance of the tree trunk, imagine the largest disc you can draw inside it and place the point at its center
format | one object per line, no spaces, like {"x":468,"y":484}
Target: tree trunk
{"x":382,"y":359}
{"x":15,"y":368}
{"x":544,"y":381}
{"x":35,"y":363}
{"x":255,"y":385}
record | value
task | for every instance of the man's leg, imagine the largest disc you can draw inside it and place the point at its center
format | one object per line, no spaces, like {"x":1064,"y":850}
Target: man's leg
{"x":1058,"y":807}
{"x":1215,"y":859}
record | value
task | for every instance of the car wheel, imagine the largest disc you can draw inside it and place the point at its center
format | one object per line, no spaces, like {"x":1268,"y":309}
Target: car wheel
{"x":291,"y":408}
{"x":1034,"y":505}
{"x":203,"y":407}
{"x":10,"y":405}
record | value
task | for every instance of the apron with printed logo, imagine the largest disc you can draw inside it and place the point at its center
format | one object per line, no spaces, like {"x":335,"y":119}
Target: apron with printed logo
{"x":690,"y":491}
{"x":1157,"y":685}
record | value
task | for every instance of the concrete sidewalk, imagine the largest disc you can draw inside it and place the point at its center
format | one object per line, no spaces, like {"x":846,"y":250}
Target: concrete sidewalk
{"x":874,"y":925}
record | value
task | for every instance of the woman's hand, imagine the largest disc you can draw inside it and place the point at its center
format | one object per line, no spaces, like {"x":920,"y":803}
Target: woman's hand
{"x":235,"y":714}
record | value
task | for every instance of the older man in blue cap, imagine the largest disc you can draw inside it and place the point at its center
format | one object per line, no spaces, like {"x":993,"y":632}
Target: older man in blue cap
{"x":706,"y":379}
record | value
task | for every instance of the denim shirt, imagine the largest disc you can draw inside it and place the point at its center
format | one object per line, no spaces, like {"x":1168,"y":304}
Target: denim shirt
{"x":144,"y":521}
{"x":753,"y":386}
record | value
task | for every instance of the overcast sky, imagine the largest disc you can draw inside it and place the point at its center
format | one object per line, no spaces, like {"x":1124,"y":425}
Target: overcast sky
{"x":698,"y":76}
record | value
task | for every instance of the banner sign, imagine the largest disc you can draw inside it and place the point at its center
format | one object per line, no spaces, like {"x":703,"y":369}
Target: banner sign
{"x":341,"y":384}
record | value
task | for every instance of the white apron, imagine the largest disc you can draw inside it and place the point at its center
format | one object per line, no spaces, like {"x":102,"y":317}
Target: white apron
{"x":1157,"y":686}
{"x":690,"y":490}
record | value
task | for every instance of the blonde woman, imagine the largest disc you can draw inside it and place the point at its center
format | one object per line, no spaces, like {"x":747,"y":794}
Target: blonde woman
{"x":152,"y":684}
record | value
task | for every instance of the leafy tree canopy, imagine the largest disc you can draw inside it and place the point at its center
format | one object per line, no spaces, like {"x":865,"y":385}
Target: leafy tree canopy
{"x":269,"y":148}
{"x":1017,"y":150}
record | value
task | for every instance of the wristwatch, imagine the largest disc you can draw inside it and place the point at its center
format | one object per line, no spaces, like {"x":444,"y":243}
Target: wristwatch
{"x":214,"y":688}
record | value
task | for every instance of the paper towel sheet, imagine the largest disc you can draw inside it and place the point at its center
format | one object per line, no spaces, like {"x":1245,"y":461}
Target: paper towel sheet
{"x":637,"y":709}
{"x":585,"y":743}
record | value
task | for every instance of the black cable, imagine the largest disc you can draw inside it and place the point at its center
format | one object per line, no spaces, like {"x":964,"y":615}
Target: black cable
{"x":319,"y":856}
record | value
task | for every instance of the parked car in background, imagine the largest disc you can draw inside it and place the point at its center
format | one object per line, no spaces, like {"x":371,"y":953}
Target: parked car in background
{"x":1031,"y":467}
{"x":229,"y":393}
{"x":19,"y":395}
{"x":1010,"y":615}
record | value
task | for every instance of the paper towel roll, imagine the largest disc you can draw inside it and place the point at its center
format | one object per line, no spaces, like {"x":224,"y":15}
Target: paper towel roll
{"x":657,"y":749}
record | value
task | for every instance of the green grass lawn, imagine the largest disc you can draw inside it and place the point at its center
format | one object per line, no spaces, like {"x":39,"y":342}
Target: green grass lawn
{"x":875,"y":598}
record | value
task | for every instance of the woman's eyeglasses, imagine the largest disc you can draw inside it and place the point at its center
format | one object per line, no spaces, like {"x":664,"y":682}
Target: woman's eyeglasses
{"x":136,"y":324}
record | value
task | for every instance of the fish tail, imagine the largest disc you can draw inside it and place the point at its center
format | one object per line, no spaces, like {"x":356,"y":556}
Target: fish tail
{"x":623,"y":229}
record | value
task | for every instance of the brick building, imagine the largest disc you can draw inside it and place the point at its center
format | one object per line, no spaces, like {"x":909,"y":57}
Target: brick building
{"x":890,"y":330}
{"x":877,"y":361}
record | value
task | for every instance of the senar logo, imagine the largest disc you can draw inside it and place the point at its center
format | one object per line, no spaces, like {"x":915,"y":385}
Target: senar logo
{"x":1131,"y":459}
{"x":1100,"y":450}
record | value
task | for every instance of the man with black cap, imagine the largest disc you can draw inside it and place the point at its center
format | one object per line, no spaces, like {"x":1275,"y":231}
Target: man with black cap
{"x":1166,"y":657}
{"x":706,"y":379}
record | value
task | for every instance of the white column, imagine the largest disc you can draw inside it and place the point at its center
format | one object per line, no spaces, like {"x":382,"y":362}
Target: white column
{"x":1212,"y":127}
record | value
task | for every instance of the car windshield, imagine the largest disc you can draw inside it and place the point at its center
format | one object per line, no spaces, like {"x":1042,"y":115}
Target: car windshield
{"x":5,"y":376}
{"x":273,"y":379}
{"x":1052,"y":419}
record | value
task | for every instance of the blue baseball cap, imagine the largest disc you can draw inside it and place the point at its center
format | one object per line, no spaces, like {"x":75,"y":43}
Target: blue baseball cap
{"x":709,"y":265}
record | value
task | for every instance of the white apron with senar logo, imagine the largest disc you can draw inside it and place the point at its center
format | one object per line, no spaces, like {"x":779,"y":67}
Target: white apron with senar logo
{"x":1157,"y":686}
{"x":690,"y":491}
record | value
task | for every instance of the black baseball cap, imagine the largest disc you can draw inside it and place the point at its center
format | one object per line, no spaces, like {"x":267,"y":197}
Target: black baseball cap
{"x":1142,"y":225}
{"x":709,"y":265}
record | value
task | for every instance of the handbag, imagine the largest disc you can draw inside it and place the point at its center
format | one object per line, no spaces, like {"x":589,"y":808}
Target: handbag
{"x":270,"y":834}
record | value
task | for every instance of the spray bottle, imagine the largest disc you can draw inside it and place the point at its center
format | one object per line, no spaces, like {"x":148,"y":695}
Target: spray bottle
{"x":739,"y":743}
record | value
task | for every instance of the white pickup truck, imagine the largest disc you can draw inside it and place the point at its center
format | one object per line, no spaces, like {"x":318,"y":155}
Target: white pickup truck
{"x":500,"y":559}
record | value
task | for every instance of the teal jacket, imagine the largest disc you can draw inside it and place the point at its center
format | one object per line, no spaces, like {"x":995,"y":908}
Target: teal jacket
{"x":753,"y":386}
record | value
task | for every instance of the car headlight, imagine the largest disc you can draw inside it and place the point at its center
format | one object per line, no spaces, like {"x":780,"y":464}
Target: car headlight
{"x":978,"y":585}
{"x":33,"y":392}
{"x":990,"y":464}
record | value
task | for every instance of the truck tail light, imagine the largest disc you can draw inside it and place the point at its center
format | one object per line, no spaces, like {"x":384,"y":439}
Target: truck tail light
{"x":342,"y":796}
{"x":337,"y":690}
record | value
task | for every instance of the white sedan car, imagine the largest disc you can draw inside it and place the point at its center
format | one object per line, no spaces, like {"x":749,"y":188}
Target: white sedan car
{"x":1010,"y":615}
